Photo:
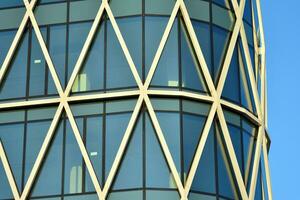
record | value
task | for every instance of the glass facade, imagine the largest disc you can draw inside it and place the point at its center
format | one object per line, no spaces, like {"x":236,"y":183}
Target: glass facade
{"x":120,"y":100}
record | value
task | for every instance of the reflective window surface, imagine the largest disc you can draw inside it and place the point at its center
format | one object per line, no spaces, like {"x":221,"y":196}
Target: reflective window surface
{"x":143,"y":171}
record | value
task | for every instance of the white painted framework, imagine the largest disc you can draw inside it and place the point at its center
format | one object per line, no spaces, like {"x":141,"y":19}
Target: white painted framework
{"x":143,"y":92}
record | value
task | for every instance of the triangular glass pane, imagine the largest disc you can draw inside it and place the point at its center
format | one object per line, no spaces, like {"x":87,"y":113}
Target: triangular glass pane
{"x":50,"y":173}
{"x":91,"y":75}
{"x":57,"y":50}
{"x":78,"y":33}
{"x":258,"y":189}
{"x":202,"y":31}
{"x":5,"y":190}
{"x":154,"y":30}
{"x":158,"y":175}
{"x":132,"y":162}
{"x":167,"y":70}
{"x":193,"y":121}
{"x":226,"y":179}
{"x":231,"y":87}
{"x":118,"y":72}
{"x":12,"y":135}
{"x":170,"y":125}
{"x":205,"y":177}
{"x":221,"y":40}
{"x":249,"y":132}
{"x":192,"y":77}
{"x":37,"y":126}
{"x":14,"y":82}
{"x":6,"y":38}
{"x":131,"y":28}
{"x":247,"y":98}
{"x":116,"y":125}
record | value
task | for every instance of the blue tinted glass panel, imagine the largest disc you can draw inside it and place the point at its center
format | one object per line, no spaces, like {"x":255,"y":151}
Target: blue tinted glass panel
{"x":154,"y":29}
{"x":205,"y":175}
{"x":10,"y":3}
{"x":119,"y":74}
{"x":57,"y":50}
{"x":131,"y":29}
{"x":73,"y":161}
{"x":221,"y":38}
{"x":236,"y":138}
{"x":6,"y":38}
{"x":12,"y":136}
{"x":77,"y":36}
{"x":231,"y":86}
{"x":167,"y":70}
{"x":158,"y":175}
{"x":116,"y":125}
{"x":132,"y":162}
{"x":51,"y":170}
{"x":94,"y":146}
{"x":37,"y":66}
{"x":91,"y":76}
{"x":36,"y":133}
{"x":202,"y":31}
{"x":14,"y":83}
{"x":162,"y":195}
{"x":170,"y":125}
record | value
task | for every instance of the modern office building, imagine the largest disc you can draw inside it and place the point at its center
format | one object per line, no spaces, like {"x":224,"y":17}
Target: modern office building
{"x":133,"y":100}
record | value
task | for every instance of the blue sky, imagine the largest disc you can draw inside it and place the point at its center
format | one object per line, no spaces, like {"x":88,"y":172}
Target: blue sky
{"x":282,"y":33}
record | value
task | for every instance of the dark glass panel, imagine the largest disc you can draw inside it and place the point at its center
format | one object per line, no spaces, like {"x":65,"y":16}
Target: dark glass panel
{"x":248,"y":11}
{"x":51,"y":170}
{"x":6,"y":38}
{"x":192,"y":130}
{"x":192,"y":77}
{"x":202,"y":31}
{"x":154,"y":29}
{"x":258,"y":189}
{"x":119,"y":74}
{"x":225,"y":176}
{"x":94,"y":144}
{"x":91,"y":75}
{"x":170,"y":125}
{"x":113,"y":137}
{"x":158,"y":175}
{"x":132,"y":162}
{"x":167,"y":70}
{"x":37,"y":65}
{"x":36,"y":133}
{"x":220,"y":38}
{"x":77,"y":36}
{"x":82,"y":197}
{"x":57,"y":50}
{"x":10,"y":3}
{"x":131,"y":29}
{"x":14,"y":83}
{"x":236,"y":139}
{"x":11,"y":135}
{"x":247,"y":98}
{"x":231,"y":86}
{"x":73,"y":161}
{"x":205,"y":178}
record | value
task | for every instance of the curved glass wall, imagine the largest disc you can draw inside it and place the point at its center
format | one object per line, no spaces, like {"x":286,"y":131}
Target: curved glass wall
{"x":179,"y":94}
